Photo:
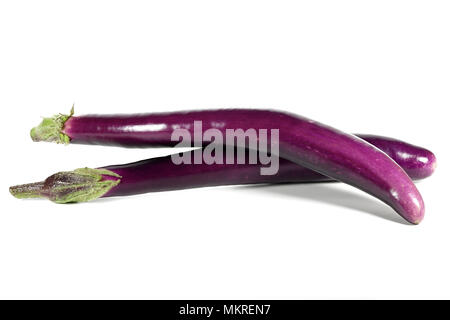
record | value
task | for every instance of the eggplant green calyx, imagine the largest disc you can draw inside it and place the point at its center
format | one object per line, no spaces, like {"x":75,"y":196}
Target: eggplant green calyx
{"x":50,"y":129}
{"x":80,"y":185}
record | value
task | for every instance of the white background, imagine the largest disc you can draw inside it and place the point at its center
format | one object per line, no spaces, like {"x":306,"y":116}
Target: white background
{"x":379,"y":67}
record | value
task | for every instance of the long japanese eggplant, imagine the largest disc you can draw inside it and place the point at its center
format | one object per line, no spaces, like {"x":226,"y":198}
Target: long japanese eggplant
{"x":333,"y":153}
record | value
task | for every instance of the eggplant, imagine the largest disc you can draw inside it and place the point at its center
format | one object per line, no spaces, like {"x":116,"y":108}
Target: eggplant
{"x":318,"y":147}
{"x":161,"y":174}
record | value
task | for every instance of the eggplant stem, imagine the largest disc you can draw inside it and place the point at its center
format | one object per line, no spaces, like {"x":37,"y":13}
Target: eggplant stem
{"x":29,"y":190}
{"x":51,"y":129}
{"x":80,"y":185}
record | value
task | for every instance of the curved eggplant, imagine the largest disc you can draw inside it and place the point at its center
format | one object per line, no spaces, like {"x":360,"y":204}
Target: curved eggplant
{"x":321,"y":148}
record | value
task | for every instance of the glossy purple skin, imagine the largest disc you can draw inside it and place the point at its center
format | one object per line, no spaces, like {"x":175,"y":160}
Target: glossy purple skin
{"x":418,"y":162}
{"x":161,"y":174}
{"x":321,"y":148}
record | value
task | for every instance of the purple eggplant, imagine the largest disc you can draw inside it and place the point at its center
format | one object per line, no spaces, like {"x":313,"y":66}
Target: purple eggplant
{"x":161,"y":174}
{"x":418,"y":162}
{"x":318,"y":147}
